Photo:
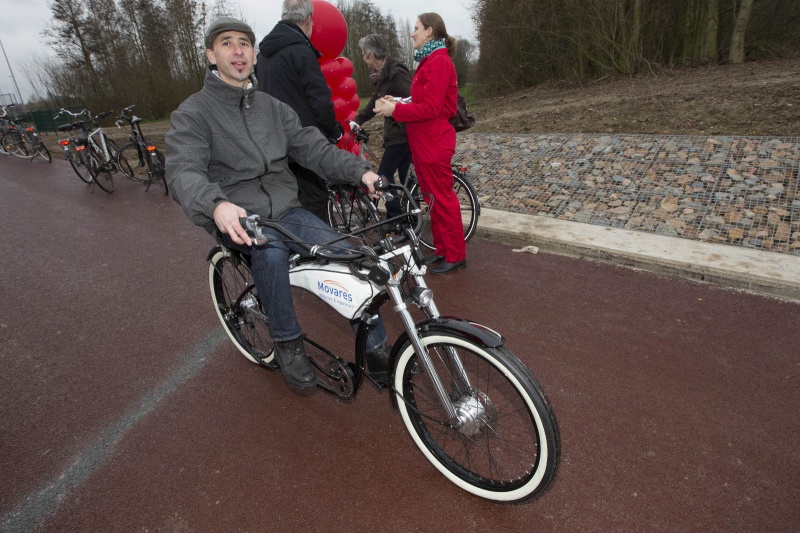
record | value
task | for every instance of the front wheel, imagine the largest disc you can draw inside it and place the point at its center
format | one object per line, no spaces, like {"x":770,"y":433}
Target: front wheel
{"x":42,"y":150}
{"x":120,"y":159}
{"x":467,"y":200}
{"x":506,"y":445}
{"x":349,"y":210}
{"x":238,"y":307}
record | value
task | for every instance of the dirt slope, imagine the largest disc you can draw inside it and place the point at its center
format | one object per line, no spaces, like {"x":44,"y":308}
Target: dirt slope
{"x":760,"y":98}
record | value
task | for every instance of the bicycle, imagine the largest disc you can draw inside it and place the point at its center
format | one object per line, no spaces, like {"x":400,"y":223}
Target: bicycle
{"x":99,"y":152}
{"x":22,"y":140}
{"x":346,"y":213}
{"x":5,"y":127}
{"x":146,"y":153}
{"x":474,"y":410}
{"x":75,"y":147}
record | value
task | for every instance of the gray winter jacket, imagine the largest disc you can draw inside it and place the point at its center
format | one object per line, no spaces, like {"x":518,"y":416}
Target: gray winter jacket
{"x":230,"y":144}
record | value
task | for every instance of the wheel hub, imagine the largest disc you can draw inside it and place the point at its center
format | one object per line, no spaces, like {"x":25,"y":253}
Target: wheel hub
{"x":474,"y":412}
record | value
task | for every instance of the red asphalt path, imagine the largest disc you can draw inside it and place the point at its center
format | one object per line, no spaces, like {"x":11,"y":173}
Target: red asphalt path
{"x":124,"y":408}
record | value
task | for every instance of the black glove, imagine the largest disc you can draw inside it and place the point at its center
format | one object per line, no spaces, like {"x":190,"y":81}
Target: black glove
{"x":339,"y":132}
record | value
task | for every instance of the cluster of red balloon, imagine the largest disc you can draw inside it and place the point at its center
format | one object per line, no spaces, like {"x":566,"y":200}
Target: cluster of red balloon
{"x":329,"y":37}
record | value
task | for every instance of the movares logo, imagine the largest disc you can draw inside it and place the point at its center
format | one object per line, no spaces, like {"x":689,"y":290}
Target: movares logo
{"x":334,"y":289}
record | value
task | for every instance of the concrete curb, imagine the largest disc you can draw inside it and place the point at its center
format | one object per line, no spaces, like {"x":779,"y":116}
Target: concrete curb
{"x":764,"y":272}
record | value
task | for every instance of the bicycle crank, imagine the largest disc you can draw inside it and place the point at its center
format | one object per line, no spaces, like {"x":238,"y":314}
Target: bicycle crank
{"x":334,"y":374}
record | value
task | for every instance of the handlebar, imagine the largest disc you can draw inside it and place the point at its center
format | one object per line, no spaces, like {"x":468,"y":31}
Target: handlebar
{"x":254,"y":223}
{"x":68,"y":112}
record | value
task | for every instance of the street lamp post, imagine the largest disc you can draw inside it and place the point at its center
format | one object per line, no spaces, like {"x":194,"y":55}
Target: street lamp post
{"x":11,"y":71}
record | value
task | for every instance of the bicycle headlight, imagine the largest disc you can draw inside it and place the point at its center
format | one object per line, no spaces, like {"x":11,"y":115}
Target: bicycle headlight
{"x":422,"y":296}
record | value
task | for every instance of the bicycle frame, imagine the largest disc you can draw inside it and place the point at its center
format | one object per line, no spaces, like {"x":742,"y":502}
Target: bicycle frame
{"x":101,"y":147}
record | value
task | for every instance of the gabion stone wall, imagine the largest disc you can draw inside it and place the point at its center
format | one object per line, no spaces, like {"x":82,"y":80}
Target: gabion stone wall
{"x":740,"y":191}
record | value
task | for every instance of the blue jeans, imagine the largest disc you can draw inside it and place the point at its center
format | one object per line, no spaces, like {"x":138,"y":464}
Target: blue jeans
{"x":396,"y":158}
{"x":270,"y":264}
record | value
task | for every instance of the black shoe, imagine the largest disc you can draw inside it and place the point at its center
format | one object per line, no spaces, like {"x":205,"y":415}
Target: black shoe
{"x":434,"y":259}
{"x":446,"y":267}
{"x":294,"y":363}
{"x":378,"y":359}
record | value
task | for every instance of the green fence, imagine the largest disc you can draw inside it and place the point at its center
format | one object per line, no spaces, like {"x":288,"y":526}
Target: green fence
{"x":44,"y":118}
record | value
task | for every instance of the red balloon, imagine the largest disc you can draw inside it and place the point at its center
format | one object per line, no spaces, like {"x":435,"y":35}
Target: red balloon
{"x":347,"y":88}
{"x":330,"y":29}
{"x":354,"y":103}
{"x":340,"y":108}
{"x":332,"y":70}
{"x":346,"y":66}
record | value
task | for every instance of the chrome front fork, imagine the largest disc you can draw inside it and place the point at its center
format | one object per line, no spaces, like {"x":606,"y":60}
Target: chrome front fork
{"x":401,"y":306}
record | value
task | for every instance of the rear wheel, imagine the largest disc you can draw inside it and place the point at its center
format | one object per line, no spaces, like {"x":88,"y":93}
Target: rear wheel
{"x":102,"y":175}
{"x":14,"y":144}
{"x":139,"y":170}
{"x":77,"y":158}
{"x":157,"y":170}
{"x":467,"y":199}
{"x":238,"y":307}
{"x":505,"y":446}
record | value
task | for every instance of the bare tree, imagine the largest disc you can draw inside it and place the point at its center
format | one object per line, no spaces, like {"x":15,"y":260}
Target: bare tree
{"x":71,"y":36}
{"x":736,"y":54}
{"x":364,"y":18}
{"x":406,"y":53}
{"x":463,"y":60}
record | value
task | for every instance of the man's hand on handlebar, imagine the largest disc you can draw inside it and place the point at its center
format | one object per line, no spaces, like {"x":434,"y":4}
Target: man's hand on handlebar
{"x":226,"y":217}
{"x":369,"y":179}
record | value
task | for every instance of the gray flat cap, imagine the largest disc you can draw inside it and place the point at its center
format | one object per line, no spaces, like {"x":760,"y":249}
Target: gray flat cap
{"x":228,"y":24}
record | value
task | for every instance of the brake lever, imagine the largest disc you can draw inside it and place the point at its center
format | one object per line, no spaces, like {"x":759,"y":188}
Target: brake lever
{"x":251,"y":225}
{"x":381,"y":186}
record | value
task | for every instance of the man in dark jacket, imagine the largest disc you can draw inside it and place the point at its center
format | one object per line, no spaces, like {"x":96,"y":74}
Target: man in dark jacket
{"x":227,"y":156}
{"x":389,"y":77}
{"x":288,"y":69}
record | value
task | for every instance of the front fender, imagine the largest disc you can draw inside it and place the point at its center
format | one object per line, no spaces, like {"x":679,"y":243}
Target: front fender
{"x":466,"y":329}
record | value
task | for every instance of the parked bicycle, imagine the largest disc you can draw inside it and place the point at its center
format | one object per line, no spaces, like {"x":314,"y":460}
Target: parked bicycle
{"x":5,"y":127}
{"x":99,"y":153}
{"x":345,"y":212}
{"x":150,"y":169}
{"x":472,"y":407}
{"x":21,"y":139}
{"x":75,"y":146}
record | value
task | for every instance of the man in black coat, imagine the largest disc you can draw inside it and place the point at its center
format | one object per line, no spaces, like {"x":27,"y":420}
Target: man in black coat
{"x":288,"y":69}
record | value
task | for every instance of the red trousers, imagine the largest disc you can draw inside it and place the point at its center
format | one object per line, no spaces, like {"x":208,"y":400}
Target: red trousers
{"x":432,"y":151}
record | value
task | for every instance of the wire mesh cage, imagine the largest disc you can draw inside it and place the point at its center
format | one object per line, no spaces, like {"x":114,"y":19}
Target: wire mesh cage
{"x":740,"y":191}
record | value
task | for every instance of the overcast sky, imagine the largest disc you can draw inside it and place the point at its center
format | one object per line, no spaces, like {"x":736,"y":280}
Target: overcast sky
{"x":22,"y":22}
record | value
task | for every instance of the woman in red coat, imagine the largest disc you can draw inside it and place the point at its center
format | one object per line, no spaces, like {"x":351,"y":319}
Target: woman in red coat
{"x":431,"y":137}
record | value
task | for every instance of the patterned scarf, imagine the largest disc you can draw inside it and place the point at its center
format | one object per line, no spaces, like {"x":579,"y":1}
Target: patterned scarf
{"x":428,"y":48}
